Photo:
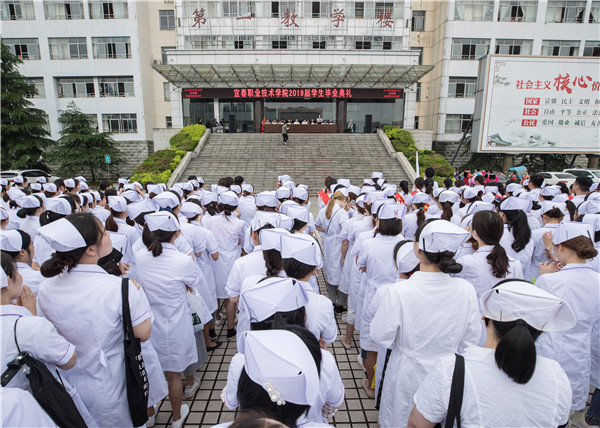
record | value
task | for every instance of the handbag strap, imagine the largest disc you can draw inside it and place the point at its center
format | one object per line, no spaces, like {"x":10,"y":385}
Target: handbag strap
{"x":456,"y":393}
{"x":126,"y":313}
{"x":15,"y":331}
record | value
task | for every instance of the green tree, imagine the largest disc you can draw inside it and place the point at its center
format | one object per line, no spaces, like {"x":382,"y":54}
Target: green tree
{"x":23,"y":128}
{"x":81,"y":149}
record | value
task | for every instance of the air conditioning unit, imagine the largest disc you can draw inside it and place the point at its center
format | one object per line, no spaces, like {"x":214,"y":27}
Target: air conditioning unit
{"x":155,"y":62}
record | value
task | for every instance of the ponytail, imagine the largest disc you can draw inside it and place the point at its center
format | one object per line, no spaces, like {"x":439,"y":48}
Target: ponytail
{"x":22,"y":213}
{"x":447,"y":212}
{"x":337,"y":196}
{"x":519,"y":226}
{"x":48,"y":217}
{"x":154,"y":240}
{"x":445,"y":261}
{"x":110,"y":224}
{"x":498,"y":260}
{"x":211,"y":208}
{"x":155,"y":248}
{"x":582,"y":245}
{"x":515,"y":352}
{"x":273,"y":262}
{"x":420,"y":214}
{"x":490,"y":227}
{"x":571,"y":208}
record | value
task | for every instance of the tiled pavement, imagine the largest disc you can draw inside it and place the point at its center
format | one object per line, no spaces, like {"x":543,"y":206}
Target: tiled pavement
{"x":207,"y":409}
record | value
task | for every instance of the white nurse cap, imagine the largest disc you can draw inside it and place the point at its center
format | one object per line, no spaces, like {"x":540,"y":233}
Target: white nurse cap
{"x":209,"y":197}
{"x":512,"y":204}
{"x":283,"y":178}
{"x":490,"y":189}
{"x":566,"y":231}
{"x":4,"y":279}
{"x":58,"y":206}
{"x":177,"y":190}
{"x":343,"y":191}
{"x":236,"y":189}
{"x":593,"y":220}
{"x":300,"y":193}
{"x":62,"y":235}
{"x":283,"y":192}
{"x":436,"y":192}
{"x":280,"y":362}
{"x":69,"y":182}
{"x":381,"y":181}
{"x":354,"y":189}
{"x":80,"y":178}
{"x":360,"y":201}
{"x":286,"y":222}
{"x":119,"y":241}
{"x":36,"y":186}
{"x":29,"y":202}
{"x":190,"y":209}
{"x":512,"y":187}
{"x":374,"y":195}
{"x":392,"y":211}
{"x":3,"y":214}
{"x":15,"y":193}
{"x":228,"y":198}
{"x":162,"y":220}
{"x":132,"y":196}
{"x":420,"y":198}
{"x":11,"y":240}
{"x":3,"y":182}
{"x":84,"y":186}
{"x":532,"y":196}
{"x":303,"y":248}
{"x":594,"y":186}
{"x":117,"y":203}
{"x":19,"y":179}
{"x":122,"y":180}
{"x":470,"y":192}
{"x":266,"y":199}
{"x":441,"y":235}
{"x":144,"y":206}
{"x":166,"y":200}
{"x":478,"y":206}
{"x":549,"y":205}
{"x":406,"y":261}
{"x":344,"y":182}
{"x":376,"y":175}
{"x":270,"y":239}
{"x":289,"y":184}
{"x":514,"y":300}
{"x":247,"y":188}
{"x":194,"y":183}
{"x":50,"y":188}
{"x":42,"y":179}
{"x":389,"y":192}
{"x":550,"y":191}
{"x":368,"y":181}
{"x":589,"y":207}
{"x":519,"y":191}
{"x":266,"y":296}
{"x":378,"y":203}
{"x":488,"y":197}
{"x":96,"y":195}
{"x":188,"y":186}
{"x":298,"y":212}
{"x":262,"y":218}
{"x":154,"y":188}
{"x":449,"y":196}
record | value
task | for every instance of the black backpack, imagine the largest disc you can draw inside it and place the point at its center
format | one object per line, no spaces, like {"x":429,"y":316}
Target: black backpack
{"x":49,"y":392}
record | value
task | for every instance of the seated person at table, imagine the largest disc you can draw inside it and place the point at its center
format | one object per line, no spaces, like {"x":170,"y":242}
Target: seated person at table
{"x":296,"y":122}
{"x":312,"y":122}
{"x":304,"y":122}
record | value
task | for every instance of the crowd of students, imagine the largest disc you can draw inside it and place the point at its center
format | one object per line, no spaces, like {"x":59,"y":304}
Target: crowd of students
{"x":488,"y":289}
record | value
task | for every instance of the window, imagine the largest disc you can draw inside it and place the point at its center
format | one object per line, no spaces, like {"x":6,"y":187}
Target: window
{"x":418,"y":20}
{"x":114,"y":9}
{"x":457,"y":123}
{"x":124,"y":123}
{"x":319,"y":44}
{"x":473,"y":10}
{"x":38,"y":82}
{"x":591,"y":48}
{"x":63,"y":9}
{"x":279,"y":44}
{"x":243,"y":42}
{"x":565,"y":11}
{"x":461,"y":87}
{"x":166,"y":91}
{"x":319,"y":9}
{"x":469,"y":49}
{"x":116,"y":86}
{"x":68,"y":48}
{"x":23,"y":48}
{"x":239,"y":8}
{"x":517,"y":11}
{"x":560,"y":47}
{"x":362,"y":42}
{"x":94,"y":121}
{"x":111,"y":47}
{"x":359,"y":9}
{"x":416,"y":122}
{"x":278,"y":8}
{"x":75,"y":87}
{"x":420,"y":51}
{"x":13,"y":10}
{"x":384,"y":8}
{"x":513,"y":47}
{"x":594,"y":12}
{"x":163,"y":52}
{"x":168,"y":121}
{"x":167,"y":19}
{"x":200,"y":42}
{"x":418,"y":90}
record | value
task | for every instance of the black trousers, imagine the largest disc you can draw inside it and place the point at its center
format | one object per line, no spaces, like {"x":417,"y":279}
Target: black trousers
{"x":285,"y":138}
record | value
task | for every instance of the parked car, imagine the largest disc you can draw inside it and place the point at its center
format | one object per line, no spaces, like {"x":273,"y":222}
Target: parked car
{"x":594,"y":174}
{"x":30,"y":174}
{"x":551,"y":178}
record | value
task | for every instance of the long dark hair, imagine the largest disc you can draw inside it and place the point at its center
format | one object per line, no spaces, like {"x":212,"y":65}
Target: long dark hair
{"x":90,"y":229}
{"x":445,"y":260}
{"x":489,"y":228}
{"x":154,"y":240}
{"x":519,"y":226}
{"x":25,"y":243}
{"x":447,"y":212}
{"x":272,"y":262}
{"x":296,"y":269}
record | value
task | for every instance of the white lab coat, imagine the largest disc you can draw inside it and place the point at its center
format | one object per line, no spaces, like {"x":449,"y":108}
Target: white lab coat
{"x":377,"y":255}
{"x":359,"y":281}
{"x":30,"y":225}
{"x":429,"y":316}
{"x":332,"y":244}
{"x":579,"y":286}
{"x":523,"y":256}
{"x":228,"y":232}
{"x":250,"y":264}
{"x":85,"y":305}
{"x":132,"y":236}
{"x":164,"y":279}
{"x":539,"y":255}
{"x":320,"y":319}
{"x":31,"y":277}
{"x":349,"y":230}
{"x":43,"y":250}
{"x":491,"y":398}
{"x":204,"y":261}
{"x":21,"y":409}
{"x":247,"y":207}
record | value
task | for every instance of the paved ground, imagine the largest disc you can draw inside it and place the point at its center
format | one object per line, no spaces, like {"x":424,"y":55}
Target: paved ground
{"x":207,"y":409}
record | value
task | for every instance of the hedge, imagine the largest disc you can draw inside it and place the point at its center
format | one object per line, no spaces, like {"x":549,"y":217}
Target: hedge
{"x":403,"y":141}
{"x":159,"y":166}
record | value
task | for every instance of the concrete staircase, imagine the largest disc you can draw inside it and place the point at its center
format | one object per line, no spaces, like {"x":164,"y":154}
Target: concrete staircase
{"x":308,"y":159}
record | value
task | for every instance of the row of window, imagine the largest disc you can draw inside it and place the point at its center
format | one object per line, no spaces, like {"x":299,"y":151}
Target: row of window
{"x":12,"y":10}
{"x":72,"y":47}
{"x":471,"y":49}
{"x":88,"y":87}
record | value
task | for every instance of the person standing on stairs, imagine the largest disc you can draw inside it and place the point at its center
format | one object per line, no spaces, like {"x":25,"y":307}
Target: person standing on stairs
{"x":284,"y":130}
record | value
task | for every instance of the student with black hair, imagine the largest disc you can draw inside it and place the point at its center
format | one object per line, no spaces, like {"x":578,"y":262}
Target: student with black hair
{"x":581,"y":188}
{"x":429,"y":174}
{"x":552,"y":214}
{"x":19,"y":246}
{"x":56,"y":208}
{"x":32,"y":207}
{"x":430,"y":316}
{"x":506,"y":373}
{"x":85,"y":305}
{"x":571,"y":246}
{"x":516,"y":238}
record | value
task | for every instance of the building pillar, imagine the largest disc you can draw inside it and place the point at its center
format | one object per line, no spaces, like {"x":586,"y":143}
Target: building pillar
{"x":507,"y":162}
{"x":259,"y":109}
{"x":592,"y":161}
{"x":341,"y":109}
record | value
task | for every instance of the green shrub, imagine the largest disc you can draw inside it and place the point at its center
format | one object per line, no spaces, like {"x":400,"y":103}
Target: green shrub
{"x":195,"y":132}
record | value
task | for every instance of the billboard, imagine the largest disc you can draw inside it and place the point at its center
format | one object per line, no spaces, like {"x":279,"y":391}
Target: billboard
{"x":528,"y":104}
{"x":275,"y":93}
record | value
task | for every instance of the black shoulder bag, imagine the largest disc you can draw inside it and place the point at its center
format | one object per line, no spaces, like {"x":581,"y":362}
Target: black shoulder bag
{"x":456,"y":394}
{"x":135,"y":371}
{"x":50,"y":394}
